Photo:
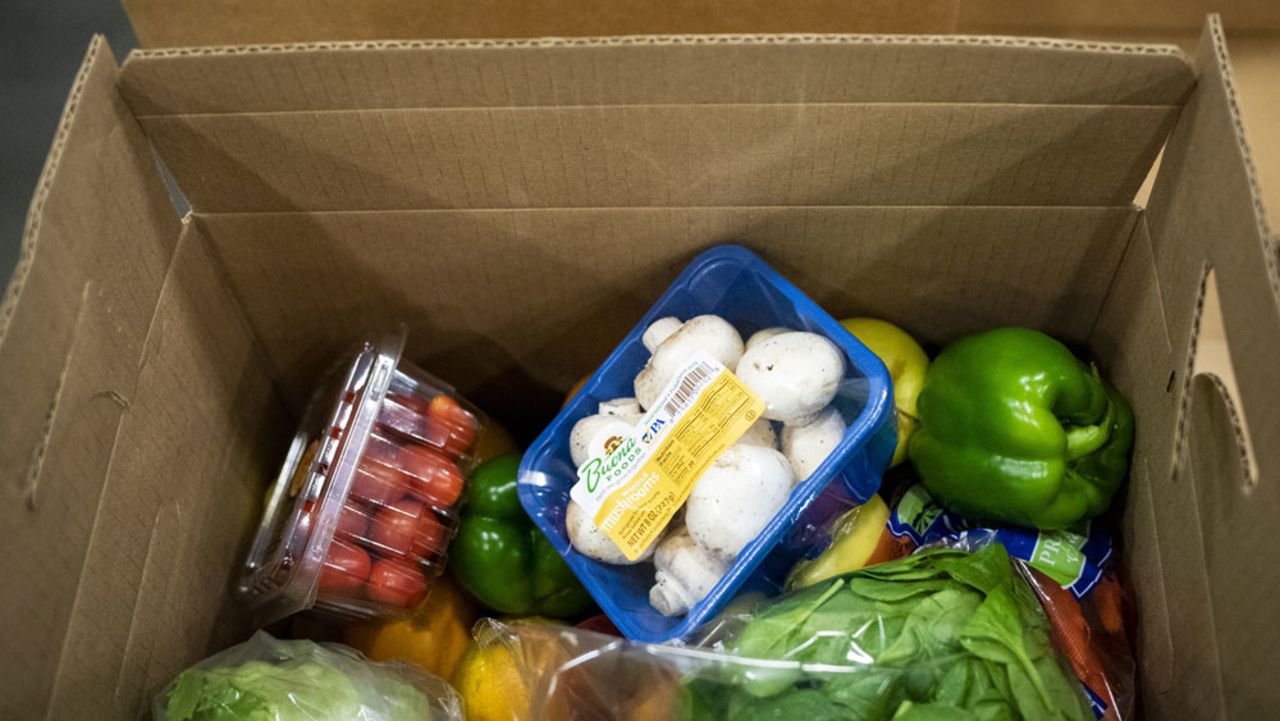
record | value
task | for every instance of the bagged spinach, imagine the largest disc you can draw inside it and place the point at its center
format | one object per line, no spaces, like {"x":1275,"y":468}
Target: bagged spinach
{"x":943,"y":634}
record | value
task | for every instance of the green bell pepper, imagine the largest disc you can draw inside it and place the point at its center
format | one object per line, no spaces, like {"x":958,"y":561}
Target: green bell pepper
{"x":1014,"y":428}
{"x":499,"y":556}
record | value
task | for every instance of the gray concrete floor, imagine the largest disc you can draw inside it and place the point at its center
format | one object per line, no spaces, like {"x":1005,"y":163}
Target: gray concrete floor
{"x":41,"y":45}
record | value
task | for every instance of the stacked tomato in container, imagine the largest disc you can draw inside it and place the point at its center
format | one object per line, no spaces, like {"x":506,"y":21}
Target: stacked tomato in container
{"x":358,"y":521}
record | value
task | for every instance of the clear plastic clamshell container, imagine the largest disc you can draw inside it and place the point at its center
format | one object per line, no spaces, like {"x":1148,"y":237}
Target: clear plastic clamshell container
{"x":360,"y":516}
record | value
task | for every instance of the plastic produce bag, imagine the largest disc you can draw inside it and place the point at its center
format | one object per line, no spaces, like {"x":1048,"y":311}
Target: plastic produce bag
{"x":1091,"y":633}
{"x":943,"y":634}
{"x":1071,"y":575}
{"x":265,"y":679}
{"x":572,"y":674}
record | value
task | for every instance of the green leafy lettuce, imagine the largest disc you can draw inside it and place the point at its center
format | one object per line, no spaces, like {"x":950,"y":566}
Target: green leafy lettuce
{"x":943,"y":634}
{"x":297,"y":681}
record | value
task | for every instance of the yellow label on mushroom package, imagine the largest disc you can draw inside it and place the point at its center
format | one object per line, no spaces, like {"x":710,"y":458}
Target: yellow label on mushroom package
{"x":632,"y":491}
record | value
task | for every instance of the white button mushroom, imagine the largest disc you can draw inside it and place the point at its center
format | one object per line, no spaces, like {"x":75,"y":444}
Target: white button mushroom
{"x":591,"y":436}
{"x":709,"y":333}
{"x":660,"y":330}
{"x":736,"y":497}
{"x":625,"y":408}
{"x":648,"y":387}
{"x":760,"y":433}
{"x":807,"y":446}
{"x":761,"y":336}
{"x":591,"y":541}
{"x":686,"y":573}
{"x":795,"y":374}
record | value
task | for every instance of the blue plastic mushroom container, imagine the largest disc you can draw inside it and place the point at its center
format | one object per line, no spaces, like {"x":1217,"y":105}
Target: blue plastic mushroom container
{"x":734,"y":283}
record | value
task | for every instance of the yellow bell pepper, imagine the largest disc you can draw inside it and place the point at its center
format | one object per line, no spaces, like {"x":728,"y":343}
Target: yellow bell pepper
{"x":906,"y":362}
{"x":488,"y":678}
{"x":859,"y":538}
{"x":512,"y":660}
{"x":494,"y":441}
{"x":490,"y":685}
{"x":435,"y":637}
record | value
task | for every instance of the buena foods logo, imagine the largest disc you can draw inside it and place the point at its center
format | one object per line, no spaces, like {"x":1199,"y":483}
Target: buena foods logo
{"x":612,"y":466}
{"x":621,"y":455}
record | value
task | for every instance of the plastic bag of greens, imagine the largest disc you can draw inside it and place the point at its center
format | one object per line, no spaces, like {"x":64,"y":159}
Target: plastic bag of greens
{"x":1071,"y":573}
{"x":943,"y":634}
{"x":265,"y":679}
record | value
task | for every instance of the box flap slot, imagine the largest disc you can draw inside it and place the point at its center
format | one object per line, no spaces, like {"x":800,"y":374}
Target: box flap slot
{"x":1215,"y":362}
{"x":699,"y":155}
{"x":1206,"y":213}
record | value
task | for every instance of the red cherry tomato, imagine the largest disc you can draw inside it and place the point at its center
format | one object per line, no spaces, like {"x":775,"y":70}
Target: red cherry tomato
{"x":353,"y":521}
{"x":407,"y":414}
{"x":381,"y":448}
{"x":449,"y":420}
{"x":345,"y":566}
{"x":396,"y":583}
{"x":377,"y":483}
{"x":434,"y":478}
{"x":407,"y":528}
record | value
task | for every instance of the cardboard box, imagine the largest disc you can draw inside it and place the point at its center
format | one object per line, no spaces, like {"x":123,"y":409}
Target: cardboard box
{"x":520,"y":203}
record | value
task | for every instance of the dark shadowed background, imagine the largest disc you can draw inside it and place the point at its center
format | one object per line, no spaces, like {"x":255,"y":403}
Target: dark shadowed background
{"x":41,"y":45}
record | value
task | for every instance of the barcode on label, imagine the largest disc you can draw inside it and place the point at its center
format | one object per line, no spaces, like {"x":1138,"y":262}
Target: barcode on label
{"x":693,"y":380}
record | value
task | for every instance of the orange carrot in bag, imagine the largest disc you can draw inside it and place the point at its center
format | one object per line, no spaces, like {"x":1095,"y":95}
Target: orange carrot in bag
{"x":1074,"y":637}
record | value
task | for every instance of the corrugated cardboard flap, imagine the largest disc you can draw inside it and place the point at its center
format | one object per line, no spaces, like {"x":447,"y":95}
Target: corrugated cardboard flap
{"x":1214,"y":517}
{"x":652,"y":70}
{"x":98,"y":242}
{"x":180,"y":497}
{"x":659,"y":122}
{"x":131,"y":416}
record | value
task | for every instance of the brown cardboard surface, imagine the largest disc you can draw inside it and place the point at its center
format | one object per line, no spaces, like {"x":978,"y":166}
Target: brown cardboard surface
{"x":1188,"y":242}
{"x":1205,"y":213}
{"x":99,"y":238}
{"x":675,"y":70}
{"x":212,"y":22}
{"x":1210,"y":175}
{"x":698,"y":155}
{"x":142,"y":509}
{"x":193,"y":453}
{"x":1048,"y":267}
